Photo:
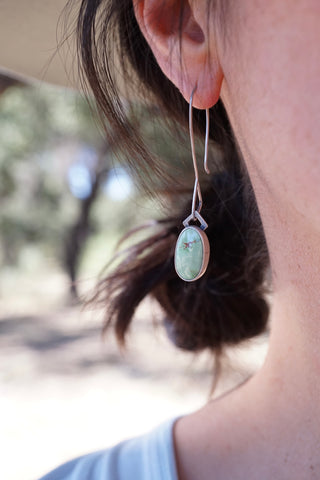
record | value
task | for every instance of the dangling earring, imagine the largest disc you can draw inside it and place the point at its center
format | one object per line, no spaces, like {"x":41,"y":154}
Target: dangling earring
{"x":192,"y":250}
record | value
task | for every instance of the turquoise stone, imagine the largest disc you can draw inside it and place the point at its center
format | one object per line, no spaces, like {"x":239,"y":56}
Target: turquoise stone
{"x":189,"y":254}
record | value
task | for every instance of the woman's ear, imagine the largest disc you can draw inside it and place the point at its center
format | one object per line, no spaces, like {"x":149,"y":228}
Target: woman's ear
{"x":181,"y":35}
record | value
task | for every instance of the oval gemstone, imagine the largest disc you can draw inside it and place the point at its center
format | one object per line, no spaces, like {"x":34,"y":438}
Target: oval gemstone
{"x":190,"y":253}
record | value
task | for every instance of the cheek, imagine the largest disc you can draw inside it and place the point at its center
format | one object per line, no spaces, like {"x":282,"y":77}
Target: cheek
{"x":272,"y":72}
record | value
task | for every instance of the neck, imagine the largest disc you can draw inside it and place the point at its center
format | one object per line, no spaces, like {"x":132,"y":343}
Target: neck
{"x":292,"y":368}
{"x":272,"y":422}
{"x":294,"y":247}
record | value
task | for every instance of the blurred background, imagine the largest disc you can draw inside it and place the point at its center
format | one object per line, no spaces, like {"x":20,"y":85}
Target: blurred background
{"x":65,"y":202}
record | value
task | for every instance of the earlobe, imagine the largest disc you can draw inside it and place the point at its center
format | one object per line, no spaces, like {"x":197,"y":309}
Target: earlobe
{"x":178,"y":33}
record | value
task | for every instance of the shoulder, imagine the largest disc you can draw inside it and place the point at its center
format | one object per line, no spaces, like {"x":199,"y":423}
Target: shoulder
{"x":149,"y":457}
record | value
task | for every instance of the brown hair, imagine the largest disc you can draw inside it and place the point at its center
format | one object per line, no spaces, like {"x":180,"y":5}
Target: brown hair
{"x":227,"y":305}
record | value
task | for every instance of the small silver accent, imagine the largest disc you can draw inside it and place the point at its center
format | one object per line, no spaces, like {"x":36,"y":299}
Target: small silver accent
{"x":203,"y":223}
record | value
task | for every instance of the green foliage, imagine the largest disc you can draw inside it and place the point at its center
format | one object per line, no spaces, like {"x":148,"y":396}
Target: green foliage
{"x":43,"y":130}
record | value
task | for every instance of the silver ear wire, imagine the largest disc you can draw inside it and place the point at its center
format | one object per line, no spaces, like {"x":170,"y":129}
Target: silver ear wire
{"x":197,"y":190}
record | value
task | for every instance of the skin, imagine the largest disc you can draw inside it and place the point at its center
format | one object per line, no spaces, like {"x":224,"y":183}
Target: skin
{"x":263,"y":59}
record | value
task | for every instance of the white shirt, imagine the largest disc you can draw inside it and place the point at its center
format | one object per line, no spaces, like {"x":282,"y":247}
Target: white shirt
{"x":149,"y":457}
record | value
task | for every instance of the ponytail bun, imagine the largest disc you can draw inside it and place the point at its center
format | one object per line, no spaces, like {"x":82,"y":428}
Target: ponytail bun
{"x":227,"y":304}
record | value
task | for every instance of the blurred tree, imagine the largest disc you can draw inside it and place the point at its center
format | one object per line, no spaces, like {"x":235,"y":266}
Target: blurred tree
{"x":77,"y":235}
{"x":44,"y":131}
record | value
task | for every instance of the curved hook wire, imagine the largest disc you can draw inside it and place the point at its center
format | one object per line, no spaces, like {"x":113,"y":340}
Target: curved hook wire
{"x":196,"y":189}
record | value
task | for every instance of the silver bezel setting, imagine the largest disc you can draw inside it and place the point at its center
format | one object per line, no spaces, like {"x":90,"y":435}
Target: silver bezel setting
{"x":206,"y":252}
